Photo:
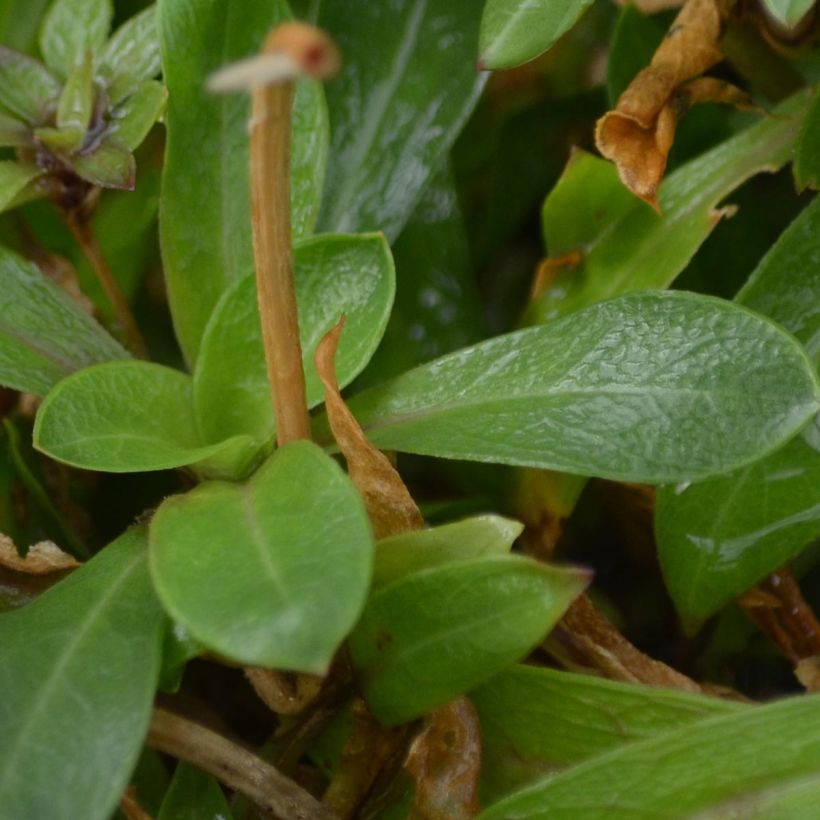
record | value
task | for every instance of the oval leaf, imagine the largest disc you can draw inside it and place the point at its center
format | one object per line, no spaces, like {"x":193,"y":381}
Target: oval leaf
{"x":649,"y":387}
{"x":194,"y":795}
{"x":516,"y":31}
{"x":435,"y":634}
{"x":409,"y":82}
{"x":270,"y":573}
{"x":70,"y":29}
{"x":335,"y":275}
{"x":631,"y":782}
{"x":131,"y":56}
{"x":28,"y":90}
{"x":205,"y":221}
{"x":127,"y":417}
{"x":80,"y":666}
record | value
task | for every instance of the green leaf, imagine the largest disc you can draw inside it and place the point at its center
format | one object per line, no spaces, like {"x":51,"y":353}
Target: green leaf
{"x":400,"y":555}
{"x":699,"y":770}
{"x":110,"y":165}
{"x":435,"y":634}
{"x":718,"y":538}
{"x":28,"y":90}
{"x":287,"y":563}
{"x":44,"y":336}
{"x":788,"y":12}
{"x":76,"y":103}
{"x":516,"y":31}
{"x":131,"y":56}
{"x":16,"y":180}
{"x":20,"y":21}
{"x":634,"y":40}
{"x":652,"y":387}
{"x":79,"y":670}
{"x":134,"y":118}
{"x":70,"y":29}
{"x":408,"y":84}
{"x":127,"y":417}
{"x":807,"y":152}
{"x":626,"y":246}
{"x":13,"y":133}
{"x":535,"y":721}
{"x":335,"y":275}
{"x":205,"y":220}
{"x":194,"y":795}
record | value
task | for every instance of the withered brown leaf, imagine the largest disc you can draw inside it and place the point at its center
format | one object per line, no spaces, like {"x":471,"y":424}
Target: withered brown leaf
{"x":43,"y":558}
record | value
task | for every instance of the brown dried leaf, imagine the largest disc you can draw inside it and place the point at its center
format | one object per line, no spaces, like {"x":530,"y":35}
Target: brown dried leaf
{"x":284,"y":693}
{"x":807,"y":672}
{"x":445,"y":763}
{"x":551,"y":267}
{"x":638,"y":134}
{"x":387,"y":499}
{"x":43,"y":558}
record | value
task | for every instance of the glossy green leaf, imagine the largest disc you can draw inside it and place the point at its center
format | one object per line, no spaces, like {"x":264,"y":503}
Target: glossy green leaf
{"x":408,"y":552}
{"x":127,"y":417}
{"x":634,"y":40}
{"x":746,"y":757}
{"x":70,"y":29}
{"x":194,"y":795}
{"x":335,"y":275}
{"x":44,"y":336}
{"x":719,"y":537}
{"x":807,"y":152}
{"x":76,"y":102}
{"x":138,"y":113}
{"x":535,"y":721}
{"x":16,"y":180}
{"x":409,"y":82}
{"x":20,"y":21}
{"x":626,"y":246}
{"x":788,"y":12}
{"x":131,"y":56}
{"x":79,"y":670}
{"x":651,"y":387}
{"x":109,"y":165}
{"x":273,"y":572}
{"x":516,"y":31}
{"x":205,"y":221}
{"x":28,"y":90}
{"x":435,"y":634}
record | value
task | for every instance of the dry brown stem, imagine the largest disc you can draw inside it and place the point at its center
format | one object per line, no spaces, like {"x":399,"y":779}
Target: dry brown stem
{"x":130,"y":807}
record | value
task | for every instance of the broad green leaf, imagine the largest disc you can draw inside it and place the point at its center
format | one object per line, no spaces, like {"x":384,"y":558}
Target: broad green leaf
{"x":400,"y":555}
{"x":13,"y":133}
{"x":437,"y":633}
{"x":44,"y":336}
{"x":138,"y":113}
{"x":194,"y":795}
{"x":109,"y":165}
{"x":652,"y":387}
{"x":335,"y":275}
{"x":131,"y":56}
{"x":20,"y":21}
{"x":634,"y":40}
{"x":28,"y":90}
{"x":79,"y":670}
{"x":408,"y":84}
{"x":719,"y":537}
{"x":807,"y":152}
{"x":70,"y":29}
{"x":127,"y":417}
{"x":205,"y":220}
{"x":535,"y":721}
{"x":788,"y":12}
{"x":16,"y":180}
{"x":76,"y":102}
{"x":626,"y":246}
{"x":701,"y":769}
{"x":516,"y":31}
{"x":285,"y":566}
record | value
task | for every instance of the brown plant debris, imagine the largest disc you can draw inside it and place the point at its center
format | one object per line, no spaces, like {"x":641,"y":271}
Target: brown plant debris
{"x":43,"y":558}
{"x":283,"y":692}
{"x":638,"y":134}
{"x":807,"y":671}
{"x":388,"y":501}
{"x":585,"y":641}
{"x":549,"y":268}
{"x":366,"y":752}
{"x":444,"y":762}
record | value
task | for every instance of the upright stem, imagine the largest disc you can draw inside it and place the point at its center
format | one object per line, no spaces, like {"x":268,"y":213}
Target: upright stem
{"x":270,"y":188}
{"x":91,"y":248}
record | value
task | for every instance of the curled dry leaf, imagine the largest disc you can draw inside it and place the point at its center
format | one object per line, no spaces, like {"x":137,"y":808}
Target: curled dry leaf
{"x":285,"y":693}
{"x":445,"y":762}
{"x":43,"y":558}
{"x":388,"y":501}
{"x":638,"y":134}
{"x":807,"y":672}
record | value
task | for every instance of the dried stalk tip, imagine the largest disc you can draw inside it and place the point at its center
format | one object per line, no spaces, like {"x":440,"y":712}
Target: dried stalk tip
{"x":291,"y":50}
